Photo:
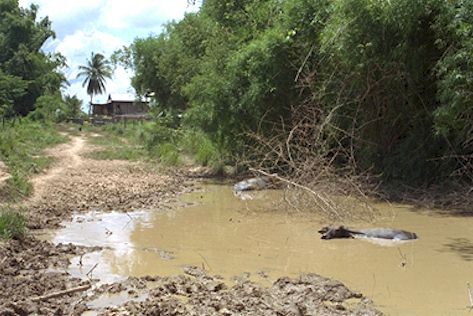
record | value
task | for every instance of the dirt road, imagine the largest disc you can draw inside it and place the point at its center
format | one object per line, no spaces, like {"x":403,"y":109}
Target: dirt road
{"x":68,"y":156}
{"x":76,"y":183}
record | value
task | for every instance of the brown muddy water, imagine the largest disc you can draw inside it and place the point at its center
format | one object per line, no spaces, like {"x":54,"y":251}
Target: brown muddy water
{"x":213,"y":229}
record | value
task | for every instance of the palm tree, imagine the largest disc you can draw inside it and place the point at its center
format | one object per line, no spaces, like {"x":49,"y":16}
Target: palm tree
{"x":95,"y":72}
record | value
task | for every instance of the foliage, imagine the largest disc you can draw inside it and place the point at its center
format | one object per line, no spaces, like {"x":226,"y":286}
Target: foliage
{"x":391,"y":79}
{"x":200,"y":147}
{"x":21,"y":149}
{"x":72,"y":106}
{"x":12,"y":224}
{"x":26,"y":72}
{"x":167,"y":153}
{"x":49,"y":108}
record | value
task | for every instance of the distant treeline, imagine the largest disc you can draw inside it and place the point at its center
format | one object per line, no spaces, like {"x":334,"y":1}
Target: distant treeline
{"x":393,"y":80}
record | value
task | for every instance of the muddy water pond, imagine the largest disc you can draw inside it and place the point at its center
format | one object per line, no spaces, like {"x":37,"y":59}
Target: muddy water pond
{"x":230,"y":237}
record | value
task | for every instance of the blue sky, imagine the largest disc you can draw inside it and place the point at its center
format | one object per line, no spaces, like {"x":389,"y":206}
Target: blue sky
{"x":103,"y":26}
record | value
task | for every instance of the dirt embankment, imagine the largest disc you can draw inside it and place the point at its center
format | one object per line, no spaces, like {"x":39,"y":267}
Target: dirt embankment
{"x":33,"y":274}
{"x":31,"y":268}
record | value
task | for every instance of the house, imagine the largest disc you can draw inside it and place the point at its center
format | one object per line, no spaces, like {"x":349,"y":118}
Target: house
{"x":121,"y":107}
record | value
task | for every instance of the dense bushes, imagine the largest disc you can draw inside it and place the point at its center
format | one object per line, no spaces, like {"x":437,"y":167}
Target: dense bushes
{"x":392,"y":78}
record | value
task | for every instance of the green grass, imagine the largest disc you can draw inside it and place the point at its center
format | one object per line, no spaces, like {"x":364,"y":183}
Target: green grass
{"x":151,"y":141}
{"x":118,"y":152}
{"x":12,"y":224}
{"x":22,"y":150}
{"x":115,"y":146}
{"x":168,"y":154}
{"x":203,"y":150}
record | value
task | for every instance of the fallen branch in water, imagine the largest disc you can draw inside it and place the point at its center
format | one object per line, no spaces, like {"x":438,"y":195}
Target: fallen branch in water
{"x":327,"y":205}
{"x":316,"y":160}
{"x":89,"y":274}
{"x":61,"y":293}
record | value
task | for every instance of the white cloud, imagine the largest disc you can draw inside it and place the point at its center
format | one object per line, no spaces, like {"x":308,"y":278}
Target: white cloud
{"x":122,"y":14}
{"x":59,"y":10}
{"x":77,"y":48}
{"x":103,"y":26}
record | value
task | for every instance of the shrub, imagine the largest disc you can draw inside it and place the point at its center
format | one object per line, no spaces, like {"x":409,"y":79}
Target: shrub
{"x":200,"y":146}
{"x":12,"y":224}
{"x":168,"y":154}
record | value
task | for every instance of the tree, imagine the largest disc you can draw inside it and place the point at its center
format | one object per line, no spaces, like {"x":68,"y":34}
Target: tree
{"x":95,"y":72}
{"x":73,"y":105}
{"x":26,"y":72}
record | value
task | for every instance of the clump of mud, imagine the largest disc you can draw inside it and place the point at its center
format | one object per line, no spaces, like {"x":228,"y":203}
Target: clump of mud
{"x":198,"y":293}
{"x":29,"y":269}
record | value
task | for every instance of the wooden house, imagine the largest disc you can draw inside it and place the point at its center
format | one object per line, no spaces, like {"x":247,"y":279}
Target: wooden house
{"x":117,"y":107}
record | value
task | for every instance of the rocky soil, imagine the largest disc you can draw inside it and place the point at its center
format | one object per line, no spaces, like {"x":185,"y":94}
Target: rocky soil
{"x":78,"y":184}
{"x":31,"y":268}
{"x":198,"y":293}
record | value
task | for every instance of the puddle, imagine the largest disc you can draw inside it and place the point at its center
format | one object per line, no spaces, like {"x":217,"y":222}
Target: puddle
{"x":230,"y":237}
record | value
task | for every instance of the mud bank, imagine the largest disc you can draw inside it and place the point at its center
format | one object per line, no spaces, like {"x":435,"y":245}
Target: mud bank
{"x":198,"y":293}
{"x":31,"y":268}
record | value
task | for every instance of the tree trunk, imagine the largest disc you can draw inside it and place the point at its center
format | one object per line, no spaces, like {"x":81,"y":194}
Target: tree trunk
{"x":90,"y":105}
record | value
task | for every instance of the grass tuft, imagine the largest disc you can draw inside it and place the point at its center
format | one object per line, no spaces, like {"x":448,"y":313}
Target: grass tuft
{"x":12,"y":224}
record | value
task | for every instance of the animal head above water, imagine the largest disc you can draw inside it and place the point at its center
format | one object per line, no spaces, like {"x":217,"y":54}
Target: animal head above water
{"x":329,"y":232}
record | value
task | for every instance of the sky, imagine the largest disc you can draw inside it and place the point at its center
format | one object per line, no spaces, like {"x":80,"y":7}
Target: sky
{"x":103,"y":26}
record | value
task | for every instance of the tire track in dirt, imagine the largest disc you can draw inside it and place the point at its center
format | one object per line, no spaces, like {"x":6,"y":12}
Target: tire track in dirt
{"x":67,"y":157}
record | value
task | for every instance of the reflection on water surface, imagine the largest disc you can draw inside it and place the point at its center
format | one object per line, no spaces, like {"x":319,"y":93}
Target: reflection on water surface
{"x":228,"y":236}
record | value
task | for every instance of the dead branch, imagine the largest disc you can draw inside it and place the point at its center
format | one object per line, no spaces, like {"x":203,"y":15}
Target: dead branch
{"x":61,"y":293}
{"x":313,"y":156}
{"x":89,"y":274}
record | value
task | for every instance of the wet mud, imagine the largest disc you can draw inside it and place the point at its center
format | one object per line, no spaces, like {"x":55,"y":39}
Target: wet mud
{"x":30,"y":268}
{"x":198,"y":293}
{"x":104,"y":186}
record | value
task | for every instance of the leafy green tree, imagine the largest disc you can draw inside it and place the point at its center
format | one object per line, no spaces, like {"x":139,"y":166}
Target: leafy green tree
{"x":21,"y":59}
{"x":11,"y":89}
{"x":393,"y":77}
{"x":95,"y":73}
{"x":73,"y":106}
{"x":49,"y":108}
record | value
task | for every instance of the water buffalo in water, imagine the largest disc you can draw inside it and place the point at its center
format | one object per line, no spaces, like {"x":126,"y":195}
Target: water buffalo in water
{"x":257,"y":183}
{"x":330,"y":232}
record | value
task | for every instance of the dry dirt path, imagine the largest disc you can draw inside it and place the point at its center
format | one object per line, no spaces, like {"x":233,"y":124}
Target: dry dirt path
{"x":77,"y":183}
{"x":4,"y":175}
{"x":68,"y":156}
